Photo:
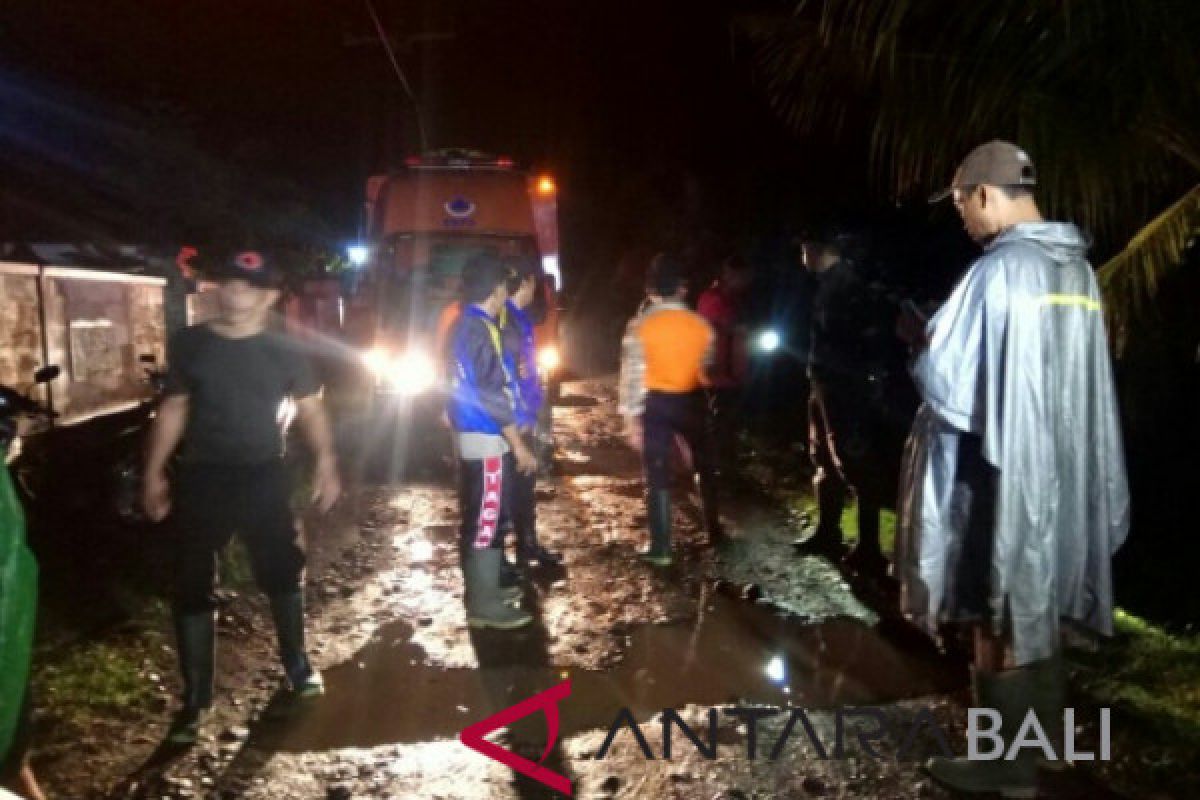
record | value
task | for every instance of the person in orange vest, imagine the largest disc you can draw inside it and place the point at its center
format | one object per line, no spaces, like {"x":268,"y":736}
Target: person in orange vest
{"x":446,"y":319}
{"x":665,"y":354}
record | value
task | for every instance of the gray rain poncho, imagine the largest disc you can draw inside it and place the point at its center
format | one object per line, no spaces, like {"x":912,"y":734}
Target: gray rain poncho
{"x":1018,"y":356}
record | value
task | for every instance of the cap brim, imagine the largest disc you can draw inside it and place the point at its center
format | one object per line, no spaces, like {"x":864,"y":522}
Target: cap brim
{"x":938,"y":197}
{"x":259,"y":280}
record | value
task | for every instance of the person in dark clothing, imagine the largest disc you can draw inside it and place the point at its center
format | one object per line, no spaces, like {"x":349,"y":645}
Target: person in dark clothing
{"x":227,"y":382}
{"x":848,"y":441}
{"x":521,"y":353}
{"x":481,"y":409}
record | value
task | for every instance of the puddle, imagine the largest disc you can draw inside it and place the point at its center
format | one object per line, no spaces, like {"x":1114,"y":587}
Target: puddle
{"x":733,"y":652}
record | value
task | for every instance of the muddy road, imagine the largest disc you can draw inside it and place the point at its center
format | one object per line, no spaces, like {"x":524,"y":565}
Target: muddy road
{"x":726,"y":633}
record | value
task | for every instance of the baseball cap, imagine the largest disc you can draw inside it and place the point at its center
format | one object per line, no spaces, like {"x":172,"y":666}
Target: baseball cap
{"x":997,"y":163}
{"x":251,"y":266}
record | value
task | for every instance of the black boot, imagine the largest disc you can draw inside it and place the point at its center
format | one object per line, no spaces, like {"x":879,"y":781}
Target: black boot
{"x":867,"y":556}
{"x":659,"y":517}
{"x":288,"y":613}
{"x":530,"y":551}
{"x":826,"y":536}
{"x":710,"y":505}
{"x":195,"y":637}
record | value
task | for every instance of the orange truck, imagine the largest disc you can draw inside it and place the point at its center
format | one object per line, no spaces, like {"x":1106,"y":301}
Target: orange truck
{"x":424,"y":223}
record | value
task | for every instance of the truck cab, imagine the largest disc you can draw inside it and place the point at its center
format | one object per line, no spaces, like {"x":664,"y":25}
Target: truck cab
{"x":425,"y":222}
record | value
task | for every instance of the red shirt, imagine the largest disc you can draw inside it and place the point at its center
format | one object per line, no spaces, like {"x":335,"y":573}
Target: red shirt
{"x":722,"y":309}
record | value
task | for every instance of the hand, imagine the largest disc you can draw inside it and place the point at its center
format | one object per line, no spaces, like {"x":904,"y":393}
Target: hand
{"x":633,"y":433}
{"x":327,"y":486}
{"x":156,"y":496}
{"x":526,"y":460}
{"x":911,"y":329}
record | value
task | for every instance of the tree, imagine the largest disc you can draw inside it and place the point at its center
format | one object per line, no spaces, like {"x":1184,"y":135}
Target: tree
{"x":1103,"y":95}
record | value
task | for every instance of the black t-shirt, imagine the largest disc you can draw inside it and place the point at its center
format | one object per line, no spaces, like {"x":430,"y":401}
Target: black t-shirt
{"x":844,"y":323}
{"x":235,"y":388}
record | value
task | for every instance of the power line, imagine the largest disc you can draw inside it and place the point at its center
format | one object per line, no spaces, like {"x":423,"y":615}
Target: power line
{"x":387,"y":46}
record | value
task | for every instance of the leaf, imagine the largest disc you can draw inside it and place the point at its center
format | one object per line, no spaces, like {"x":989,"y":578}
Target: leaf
{"x":1101,"y":94}
{"x":1130,"y":278}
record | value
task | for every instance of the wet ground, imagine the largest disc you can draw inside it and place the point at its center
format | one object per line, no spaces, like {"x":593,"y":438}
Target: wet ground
{"x":745,"y":627}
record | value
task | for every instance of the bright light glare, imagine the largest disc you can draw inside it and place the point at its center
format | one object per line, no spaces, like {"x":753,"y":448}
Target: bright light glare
{"x":545,"y":185}
{"x":551,"y":268}
{"x":413,"y":373}
{"x":358,"y":254}
{"x":549,"y":359}
{"x":376,"y":360}
{"x":776,"y":670}
{"x":769,"y":341}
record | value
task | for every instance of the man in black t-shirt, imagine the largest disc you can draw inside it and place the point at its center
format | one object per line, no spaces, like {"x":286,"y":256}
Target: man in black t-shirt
{"x":226,"y":388}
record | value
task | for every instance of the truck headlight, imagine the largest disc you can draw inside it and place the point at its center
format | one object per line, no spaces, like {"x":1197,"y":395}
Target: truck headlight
{"x":376,"y":360}
{"x":548,"y":358}
{"x":410,"y":373}
{"x":413,"y":373}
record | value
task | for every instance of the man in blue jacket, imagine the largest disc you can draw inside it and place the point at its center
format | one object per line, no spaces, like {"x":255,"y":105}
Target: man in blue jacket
{"x":491,"y":451}
{"x":521,"y":351}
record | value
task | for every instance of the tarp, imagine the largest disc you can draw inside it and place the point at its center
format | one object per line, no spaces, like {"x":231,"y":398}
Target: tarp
{"x":18,"y":608}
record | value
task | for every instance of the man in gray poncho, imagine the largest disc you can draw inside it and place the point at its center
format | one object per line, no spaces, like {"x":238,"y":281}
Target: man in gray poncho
{"x":1014,"y":497}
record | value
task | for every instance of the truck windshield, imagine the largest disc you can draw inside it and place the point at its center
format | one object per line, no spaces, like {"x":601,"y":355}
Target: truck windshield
{"x":420,"y":274}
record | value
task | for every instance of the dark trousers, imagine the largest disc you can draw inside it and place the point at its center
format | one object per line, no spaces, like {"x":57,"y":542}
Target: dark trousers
{"x":484,"y":493}
{"x":850,"y":445}
{"x":522,"y":495}
{"x":971,"y":568}
{"x":724,"y":408}
{"x":668,"y":415}
{"x":214,"y":501}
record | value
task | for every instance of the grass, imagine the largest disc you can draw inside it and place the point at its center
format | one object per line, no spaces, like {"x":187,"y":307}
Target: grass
{"x":97,"y":678}
{"x":235,"y":572}
{"x":887,"y":522}
{"x":1149,"y":673}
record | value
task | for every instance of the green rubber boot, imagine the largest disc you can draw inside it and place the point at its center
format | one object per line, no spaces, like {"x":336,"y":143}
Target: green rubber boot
{"x":486,"y":606}
{"x":195,"y":637}
{"x":1012,"y":693}
{"x":658,"y":506}
{"x":288,"y":612}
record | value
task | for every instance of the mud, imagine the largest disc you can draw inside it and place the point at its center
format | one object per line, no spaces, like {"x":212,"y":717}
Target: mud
{"x":747,"y":623}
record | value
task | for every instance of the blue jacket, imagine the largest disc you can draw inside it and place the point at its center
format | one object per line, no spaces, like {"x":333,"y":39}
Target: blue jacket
{"x":521,"y":355}
{"x":481,"y":391}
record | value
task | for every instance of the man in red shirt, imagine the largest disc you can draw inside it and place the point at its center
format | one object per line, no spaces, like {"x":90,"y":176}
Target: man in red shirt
{"x":722,"y":304}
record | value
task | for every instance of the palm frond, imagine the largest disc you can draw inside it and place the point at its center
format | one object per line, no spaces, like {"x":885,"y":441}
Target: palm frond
{"x":1130,"y":278}
{"x":1093,"y":90}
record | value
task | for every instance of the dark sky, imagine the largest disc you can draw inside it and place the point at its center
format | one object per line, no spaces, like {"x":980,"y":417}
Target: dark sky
{"x":596,"y":91}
